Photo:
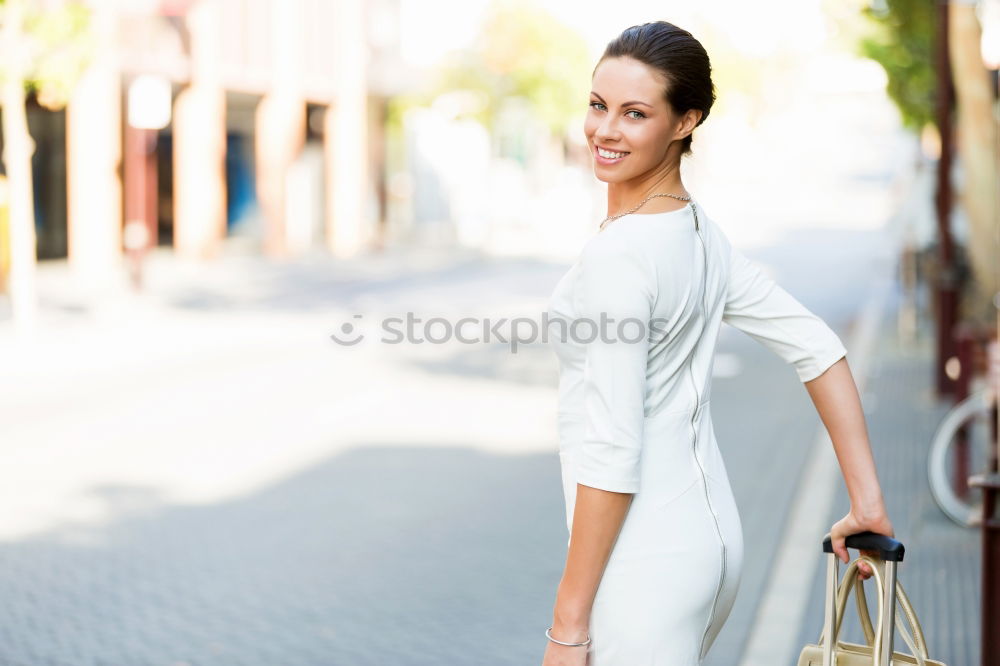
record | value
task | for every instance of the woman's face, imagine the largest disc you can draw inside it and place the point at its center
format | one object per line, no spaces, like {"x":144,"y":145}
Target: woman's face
{"x":628,"y":114}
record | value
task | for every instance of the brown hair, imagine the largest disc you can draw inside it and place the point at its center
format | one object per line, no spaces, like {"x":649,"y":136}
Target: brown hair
{"x":679,"y":57}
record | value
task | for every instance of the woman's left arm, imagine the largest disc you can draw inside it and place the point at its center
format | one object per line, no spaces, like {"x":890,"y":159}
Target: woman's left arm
{"x":597,"y":520}
{"x":615,"y":291}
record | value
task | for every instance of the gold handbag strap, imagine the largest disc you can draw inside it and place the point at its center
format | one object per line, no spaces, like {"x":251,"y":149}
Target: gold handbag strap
{"x":873,"y":637}
{"x":905,"y":606}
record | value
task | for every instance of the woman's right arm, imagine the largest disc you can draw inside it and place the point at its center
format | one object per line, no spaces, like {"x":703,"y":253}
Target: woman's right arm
{"x":835,"y":395}
{"x":762,"y":309}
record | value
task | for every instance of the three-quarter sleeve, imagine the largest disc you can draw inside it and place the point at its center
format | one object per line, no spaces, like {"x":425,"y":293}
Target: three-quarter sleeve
{"x":614,"y":299}
{"x":761,"y":308}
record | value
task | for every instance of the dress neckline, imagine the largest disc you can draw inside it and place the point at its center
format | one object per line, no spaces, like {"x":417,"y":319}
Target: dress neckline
{"x":665,"y":212}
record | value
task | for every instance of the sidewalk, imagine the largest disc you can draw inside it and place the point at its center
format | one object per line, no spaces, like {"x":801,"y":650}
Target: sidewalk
{"x":203,"y":477}
{"x":199,"y":477}
{"x":942,"y":569}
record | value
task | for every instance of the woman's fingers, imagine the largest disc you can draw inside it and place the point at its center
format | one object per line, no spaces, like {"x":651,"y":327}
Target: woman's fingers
{"x":865,"y":569}
{"x":852,"y":524}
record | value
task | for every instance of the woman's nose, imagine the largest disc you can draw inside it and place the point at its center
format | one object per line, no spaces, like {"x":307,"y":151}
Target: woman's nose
{"x":606,"y":131}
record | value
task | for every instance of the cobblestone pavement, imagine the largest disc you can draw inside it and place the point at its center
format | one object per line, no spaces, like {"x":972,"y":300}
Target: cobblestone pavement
{"x":942,"y":567}
{"x":200,"y":478}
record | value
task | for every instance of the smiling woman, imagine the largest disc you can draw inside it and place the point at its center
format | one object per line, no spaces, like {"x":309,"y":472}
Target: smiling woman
{"x":637,"y":142}
{"x":655,"y":552}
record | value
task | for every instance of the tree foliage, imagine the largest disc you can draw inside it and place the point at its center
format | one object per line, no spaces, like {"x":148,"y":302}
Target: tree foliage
{"x":55,"y":47}
{"x":902,"y":42}
{"x":520,"y":51}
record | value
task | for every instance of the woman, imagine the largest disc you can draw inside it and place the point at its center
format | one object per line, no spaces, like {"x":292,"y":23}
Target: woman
{"x":656,"y":547}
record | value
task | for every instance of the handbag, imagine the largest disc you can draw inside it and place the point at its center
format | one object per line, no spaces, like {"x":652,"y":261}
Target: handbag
{"x":878,"y":640}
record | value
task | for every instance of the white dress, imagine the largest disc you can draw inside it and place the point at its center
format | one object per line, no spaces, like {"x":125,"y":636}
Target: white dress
{"x":634,"y":417}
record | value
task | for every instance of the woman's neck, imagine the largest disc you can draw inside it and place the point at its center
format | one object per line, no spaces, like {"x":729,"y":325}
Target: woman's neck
{"x":624,"y":196}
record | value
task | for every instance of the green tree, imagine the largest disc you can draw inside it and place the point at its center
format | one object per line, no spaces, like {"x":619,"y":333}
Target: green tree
{"x":902,"y":41}
{"x":520,"y":51}
{"x":45,"y":49}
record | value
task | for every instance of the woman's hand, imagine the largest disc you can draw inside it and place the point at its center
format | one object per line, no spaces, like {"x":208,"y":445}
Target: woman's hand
{"x":872,"y":521}
{"x":563,"y":655}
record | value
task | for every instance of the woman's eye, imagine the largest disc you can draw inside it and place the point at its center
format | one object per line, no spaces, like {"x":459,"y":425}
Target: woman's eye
{"x":597,"y":105}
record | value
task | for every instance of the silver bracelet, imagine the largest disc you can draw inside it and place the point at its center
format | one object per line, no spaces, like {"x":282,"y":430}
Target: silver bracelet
{"x":549,"y":636}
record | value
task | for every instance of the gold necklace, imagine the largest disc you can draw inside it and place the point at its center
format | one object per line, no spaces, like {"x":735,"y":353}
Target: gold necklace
{"x":632,"y":210}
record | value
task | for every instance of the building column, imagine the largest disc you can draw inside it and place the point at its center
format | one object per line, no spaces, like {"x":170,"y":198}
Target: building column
{"x":93,"y":154}
{"x":281,"y":122}
{"x":200,"y":142}
{"x":345,"y":136}
{"x":280,"y":135}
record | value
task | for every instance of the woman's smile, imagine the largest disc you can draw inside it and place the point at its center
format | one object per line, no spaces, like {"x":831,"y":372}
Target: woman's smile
{"x":604,"y":156}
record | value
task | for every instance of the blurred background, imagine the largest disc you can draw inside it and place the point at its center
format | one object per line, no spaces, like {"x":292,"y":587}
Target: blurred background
{"x":198,"y":196}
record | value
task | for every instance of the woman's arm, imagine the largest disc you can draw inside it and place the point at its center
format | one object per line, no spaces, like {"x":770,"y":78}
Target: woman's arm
{"x":761,"y":308}
{"x":597,"y":520}
{"x":616,"y":286}
{"x":836,"y":398}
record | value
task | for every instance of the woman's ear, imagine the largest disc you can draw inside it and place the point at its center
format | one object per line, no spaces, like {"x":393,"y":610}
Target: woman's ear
{"x":691,"y":120}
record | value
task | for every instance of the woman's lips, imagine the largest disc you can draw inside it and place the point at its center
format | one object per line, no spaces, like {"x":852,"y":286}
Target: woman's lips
{"x":606,"y":160}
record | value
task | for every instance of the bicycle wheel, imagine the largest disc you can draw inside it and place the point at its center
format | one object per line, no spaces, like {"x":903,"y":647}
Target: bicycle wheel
{"x":972,"y":416}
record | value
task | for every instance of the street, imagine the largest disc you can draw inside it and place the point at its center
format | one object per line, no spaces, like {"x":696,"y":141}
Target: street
{"x":202,"y":476}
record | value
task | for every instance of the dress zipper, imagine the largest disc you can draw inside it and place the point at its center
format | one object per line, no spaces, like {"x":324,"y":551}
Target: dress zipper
{"x":694,"y":430}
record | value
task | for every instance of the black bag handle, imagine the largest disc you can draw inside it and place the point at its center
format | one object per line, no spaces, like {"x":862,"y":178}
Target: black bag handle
{"x":888,"y":548}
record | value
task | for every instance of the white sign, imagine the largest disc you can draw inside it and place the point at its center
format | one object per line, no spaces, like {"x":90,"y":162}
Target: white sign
{"x":149,"y":102}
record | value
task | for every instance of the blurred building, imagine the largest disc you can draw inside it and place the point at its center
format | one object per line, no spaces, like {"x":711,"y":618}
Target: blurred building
{"x":202,"y":125}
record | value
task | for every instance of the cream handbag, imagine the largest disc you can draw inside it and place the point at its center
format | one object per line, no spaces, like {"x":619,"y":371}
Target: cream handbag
{"x":878,"y":647}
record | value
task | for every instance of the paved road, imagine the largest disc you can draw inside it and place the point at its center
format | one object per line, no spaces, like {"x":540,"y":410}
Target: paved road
{"x":204,"y":478}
